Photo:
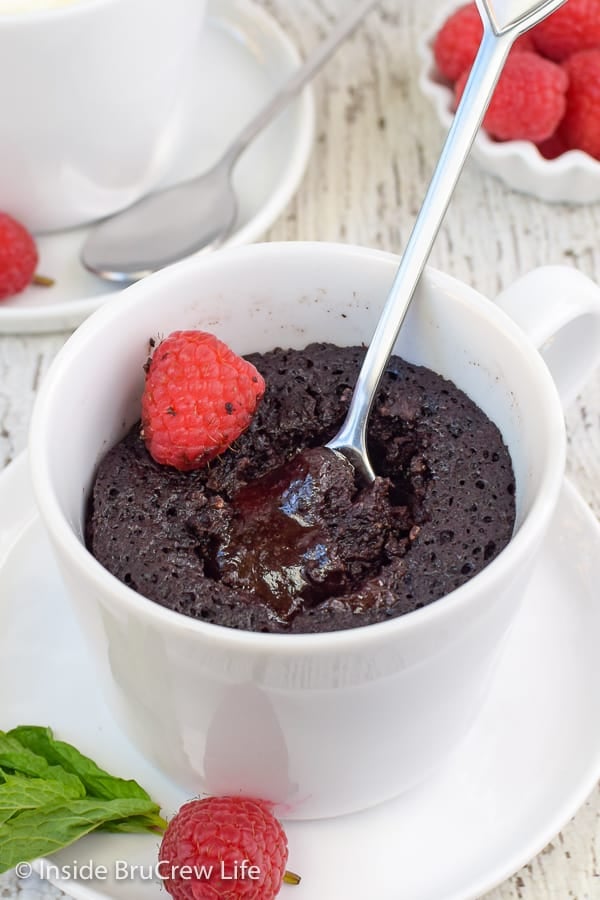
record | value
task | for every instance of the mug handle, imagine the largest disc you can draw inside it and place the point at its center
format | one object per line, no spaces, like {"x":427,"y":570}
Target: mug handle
{"x":558,"y":308}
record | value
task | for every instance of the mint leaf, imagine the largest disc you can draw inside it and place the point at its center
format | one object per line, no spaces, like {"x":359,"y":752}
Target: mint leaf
{"x":17,"y":757}
{"x":136,"y":824}
{"x":19,"y":792}
{"x":98,"y":783}
{"x":51,"y":795}
{"x":38,"y":832}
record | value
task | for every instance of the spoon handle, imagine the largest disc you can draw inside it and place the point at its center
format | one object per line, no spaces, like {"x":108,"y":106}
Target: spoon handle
{"x":486,"y":69}
{"x":301,"y":76}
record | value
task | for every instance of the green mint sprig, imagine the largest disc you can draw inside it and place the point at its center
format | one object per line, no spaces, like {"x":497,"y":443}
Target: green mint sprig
{"x":51,"y":795}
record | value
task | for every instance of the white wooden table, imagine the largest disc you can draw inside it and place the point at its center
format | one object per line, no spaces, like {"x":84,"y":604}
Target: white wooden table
{"x":377,"y":141}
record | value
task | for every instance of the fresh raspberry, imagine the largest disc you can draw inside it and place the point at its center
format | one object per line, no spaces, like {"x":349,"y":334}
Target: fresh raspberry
{"x":574,"y":26}
{"x":529,"y":99}
{"x":213,"y":837}
{"x":198,"y":398}
{"x":580,"y":127}
{"x":18,"y":257}
{"x":553,"y":147}
{"x":525,"y":42}
{"x":457,"y":42}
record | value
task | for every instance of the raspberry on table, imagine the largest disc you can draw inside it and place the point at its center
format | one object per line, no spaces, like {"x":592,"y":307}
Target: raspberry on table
{"x":212,"y":838}
{"x":18,"y":256}
{"x":199,"y":396}
{"x":457,"y":42}
{"x":529,"y":100}
{"x":574,"y":26}
{"x":580,"y":127}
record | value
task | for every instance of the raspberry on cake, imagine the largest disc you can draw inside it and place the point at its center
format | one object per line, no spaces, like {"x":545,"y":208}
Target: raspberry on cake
{"x":199,"y":396}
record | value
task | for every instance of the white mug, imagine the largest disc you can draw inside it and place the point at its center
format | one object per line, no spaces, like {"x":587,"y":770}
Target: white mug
{"x":321,"y":724}
{"x":87,"y":94}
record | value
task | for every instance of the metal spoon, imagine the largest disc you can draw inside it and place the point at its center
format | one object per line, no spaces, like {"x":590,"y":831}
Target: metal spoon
{"x":198,"y":214}
{"x":504,"y":21}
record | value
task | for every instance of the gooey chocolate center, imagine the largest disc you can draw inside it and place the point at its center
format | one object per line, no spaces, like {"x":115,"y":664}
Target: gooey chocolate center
{"x":290,"y":538}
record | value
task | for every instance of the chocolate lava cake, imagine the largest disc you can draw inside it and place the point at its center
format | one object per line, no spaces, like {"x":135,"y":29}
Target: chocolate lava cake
{"x":239,"y":545}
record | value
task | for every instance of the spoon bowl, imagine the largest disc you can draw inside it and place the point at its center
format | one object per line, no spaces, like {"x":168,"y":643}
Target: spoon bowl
{"x":199,"y":214}
{"x":162,"y":228}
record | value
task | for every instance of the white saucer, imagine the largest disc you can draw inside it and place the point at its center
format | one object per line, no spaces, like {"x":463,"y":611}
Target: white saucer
{"x":242,"y":58}
{"x":526,"y":767}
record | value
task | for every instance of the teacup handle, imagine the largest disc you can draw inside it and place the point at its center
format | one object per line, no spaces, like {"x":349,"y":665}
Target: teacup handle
{"x":559,"y":309}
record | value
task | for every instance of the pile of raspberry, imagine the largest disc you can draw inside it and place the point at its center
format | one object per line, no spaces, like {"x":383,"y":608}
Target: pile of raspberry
{"x":549,"y":90}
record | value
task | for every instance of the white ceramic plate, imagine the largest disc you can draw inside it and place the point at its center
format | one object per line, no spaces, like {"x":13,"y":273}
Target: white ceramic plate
{"x":526,"y":767}
{"x":243,"y":56}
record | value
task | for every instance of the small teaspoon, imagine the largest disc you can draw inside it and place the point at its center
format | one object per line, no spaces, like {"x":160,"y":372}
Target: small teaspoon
{"x":503,"y":21}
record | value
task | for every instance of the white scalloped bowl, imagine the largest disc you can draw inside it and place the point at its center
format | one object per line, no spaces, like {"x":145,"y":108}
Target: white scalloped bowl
{"x":573,"y":177}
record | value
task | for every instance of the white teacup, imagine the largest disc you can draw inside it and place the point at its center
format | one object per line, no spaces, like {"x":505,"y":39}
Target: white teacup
{"x":329,"y":723}
{"x":87,"y":92}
